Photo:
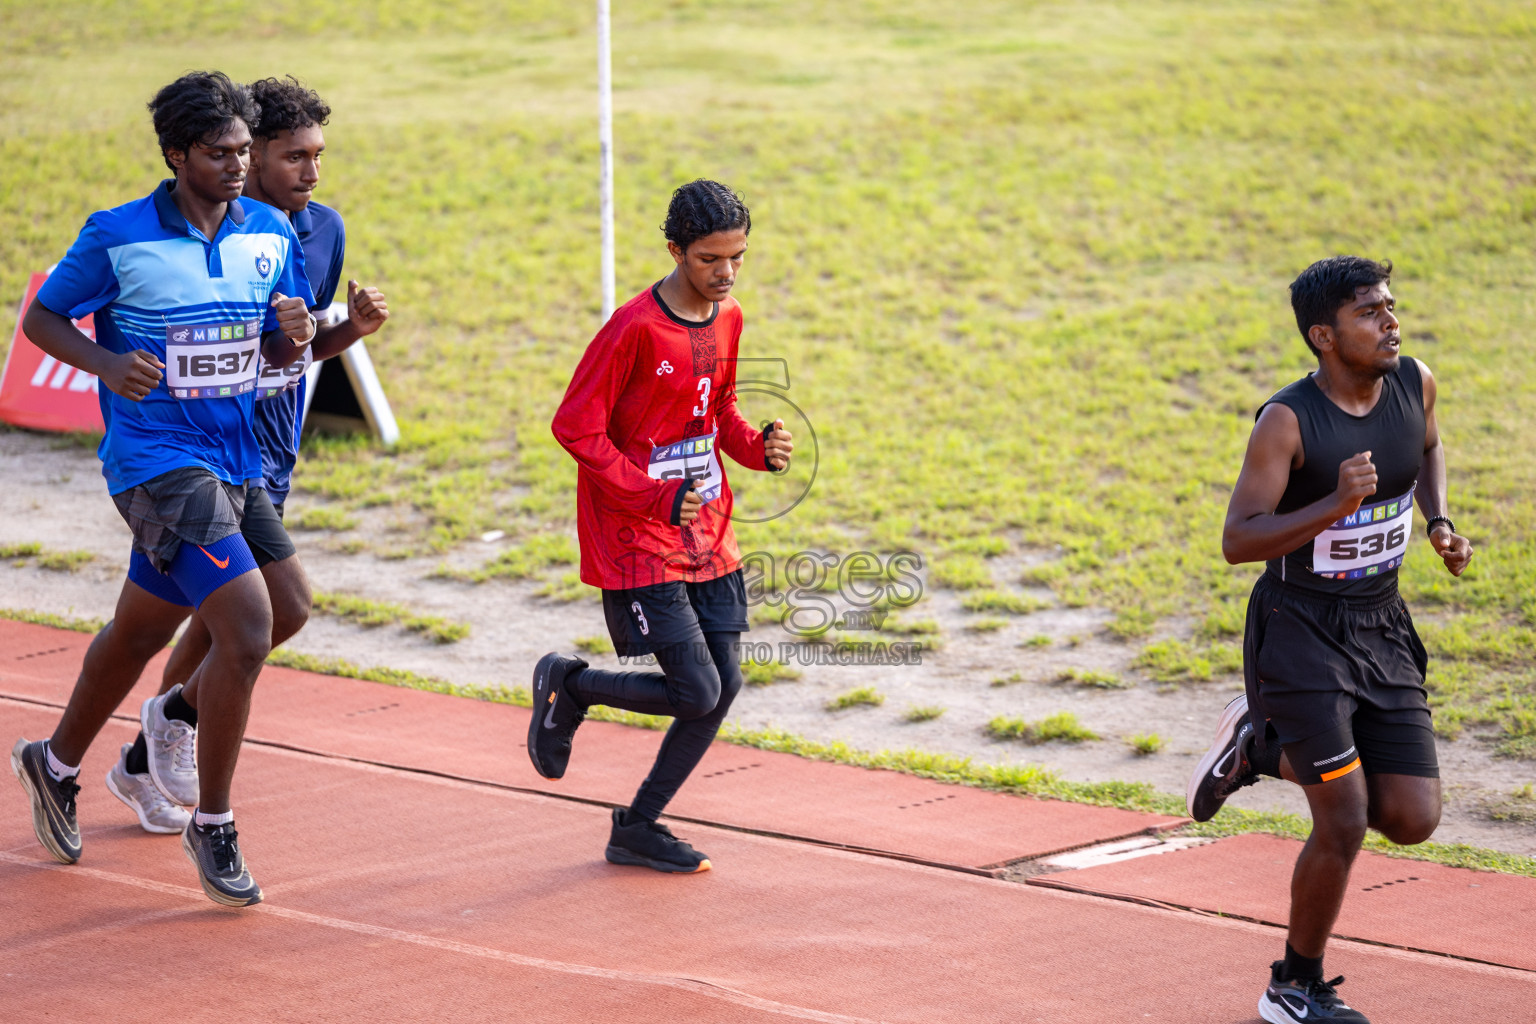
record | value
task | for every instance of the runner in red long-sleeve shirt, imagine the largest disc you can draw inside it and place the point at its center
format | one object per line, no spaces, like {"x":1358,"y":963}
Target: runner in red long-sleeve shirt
{"x":649,"y":409}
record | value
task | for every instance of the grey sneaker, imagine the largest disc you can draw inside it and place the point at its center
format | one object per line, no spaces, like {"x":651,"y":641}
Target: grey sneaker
{"x":221,"y":869}
{"x":172,"y":748}
{"x":156,"y":813}
{"x":53,"y":803}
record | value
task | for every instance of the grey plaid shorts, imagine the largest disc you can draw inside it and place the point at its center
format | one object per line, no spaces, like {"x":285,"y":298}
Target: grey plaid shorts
{"x":188,"y":504}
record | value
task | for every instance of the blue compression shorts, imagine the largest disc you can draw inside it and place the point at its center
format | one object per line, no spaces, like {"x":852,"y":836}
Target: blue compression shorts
{"x":196,"y":571}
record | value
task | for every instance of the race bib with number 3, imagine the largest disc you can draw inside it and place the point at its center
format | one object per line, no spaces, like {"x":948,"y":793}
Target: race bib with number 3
{"x":1368,"y":542}
{"x":692,"y":459}
{"x":211,"y":360}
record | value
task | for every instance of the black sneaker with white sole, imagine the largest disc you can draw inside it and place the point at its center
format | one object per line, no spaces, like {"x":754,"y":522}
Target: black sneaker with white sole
{"x":1224,"y":769}
{"x":649,"y":844}
{"x":53,"y":801}
{"x":555,"y":715}
{"x":216,"y":855}
{"x":1303,"y":1001}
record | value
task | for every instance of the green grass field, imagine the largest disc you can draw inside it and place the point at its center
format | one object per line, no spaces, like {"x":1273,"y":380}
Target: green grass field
{"x":1026,"y":262}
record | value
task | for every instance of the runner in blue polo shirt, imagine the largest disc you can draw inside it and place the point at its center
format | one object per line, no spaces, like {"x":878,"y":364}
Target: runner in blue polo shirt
{"x":285,"y":168}
{"x":189,"y":286}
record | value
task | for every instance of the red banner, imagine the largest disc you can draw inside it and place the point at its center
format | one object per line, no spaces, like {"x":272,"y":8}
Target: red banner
{"x":38,"y":391}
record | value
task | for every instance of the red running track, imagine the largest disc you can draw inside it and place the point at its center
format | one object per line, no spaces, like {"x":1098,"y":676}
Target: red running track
{"x":398,"y":896}
{"x":1413,"y":904}
{"x":763,"y":791}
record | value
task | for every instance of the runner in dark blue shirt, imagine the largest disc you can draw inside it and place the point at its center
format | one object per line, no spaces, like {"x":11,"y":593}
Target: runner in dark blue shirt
{"x":285,"y":168}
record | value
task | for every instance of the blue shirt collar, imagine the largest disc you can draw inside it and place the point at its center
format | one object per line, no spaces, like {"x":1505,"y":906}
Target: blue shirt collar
{"x":303,"y":221}
{"x":170,"y":214}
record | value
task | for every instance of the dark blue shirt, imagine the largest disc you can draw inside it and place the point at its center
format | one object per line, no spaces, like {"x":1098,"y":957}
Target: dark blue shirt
{"x":280,"y":415}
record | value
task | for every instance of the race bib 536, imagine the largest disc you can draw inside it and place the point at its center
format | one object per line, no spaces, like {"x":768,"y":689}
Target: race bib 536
{"x":1368,"y":542}
{"x":212,"y":360}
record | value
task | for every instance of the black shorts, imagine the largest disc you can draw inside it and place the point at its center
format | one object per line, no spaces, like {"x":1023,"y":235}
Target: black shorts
{"x":263,"y":529}
{"x":1381,"y":742}
{"x":643,"y":620}
{"x":1316,"y":665}
{"x":188,"y":505}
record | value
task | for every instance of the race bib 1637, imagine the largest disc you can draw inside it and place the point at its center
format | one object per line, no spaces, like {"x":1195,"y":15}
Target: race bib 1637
{"x":211,"y":360}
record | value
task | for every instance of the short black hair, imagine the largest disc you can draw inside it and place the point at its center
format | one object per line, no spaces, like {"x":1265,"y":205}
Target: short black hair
{"x":285,"y":106}
{"x":1320,"y":291}
{"x":199,"y":106}
{"x":701,"y":208}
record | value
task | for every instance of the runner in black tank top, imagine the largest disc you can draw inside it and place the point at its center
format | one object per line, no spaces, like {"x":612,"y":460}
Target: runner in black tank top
{"x":1334,"y":670}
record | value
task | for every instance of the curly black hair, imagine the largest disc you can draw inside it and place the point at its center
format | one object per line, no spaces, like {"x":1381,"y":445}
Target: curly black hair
{"x":285,"y":106}
{"x":199,"y":106}
{"x":1320,"y":291}
{"x":701,"y":208}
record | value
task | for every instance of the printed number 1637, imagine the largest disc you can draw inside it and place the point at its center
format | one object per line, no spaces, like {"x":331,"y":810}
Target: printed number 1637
{"x":210,"y":365}
{"x":1365,"y":547}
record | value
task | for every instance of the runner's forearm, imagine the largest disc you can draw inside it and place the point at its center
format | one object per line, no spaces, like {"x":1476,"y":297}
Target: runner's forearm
{"x":334,"y":339}
{"x":741,"y":440}
{"x":1433,"y":500}
{"x":278,"y":350}
{"x":57,"y":335}
{"x":1261,"y":537}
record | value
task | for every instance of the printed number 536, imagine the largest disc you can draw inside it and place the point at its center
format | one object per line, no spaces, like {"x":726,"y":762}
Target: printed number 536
{"x":1365,"y":547}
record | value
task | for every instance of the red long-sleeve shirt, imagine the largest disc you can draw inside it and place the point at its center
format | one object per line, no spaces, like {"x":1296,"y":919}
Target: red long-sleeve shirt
{"x":650,"y":379}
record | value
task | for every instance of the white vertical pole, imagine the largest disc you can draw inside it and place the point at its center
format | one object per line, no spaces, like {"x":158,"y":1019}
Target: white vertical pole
{"x":605,"y":147}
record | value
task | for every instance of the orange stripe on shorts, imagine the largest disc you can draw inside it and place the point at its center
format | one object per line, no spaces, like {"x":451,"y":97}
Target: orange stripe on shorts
{"x":1330,"y":776}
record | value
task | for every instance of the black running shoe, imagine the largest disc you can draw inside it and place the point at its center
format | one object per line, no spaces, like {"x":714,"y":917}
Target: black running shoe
{"x":555,"y":715}
{"x":649,"y":844}
{"x":53,"y":802}
{"x":1224,"y":769}
{"x":1302,"y":1001}
{"x":221,"y":869}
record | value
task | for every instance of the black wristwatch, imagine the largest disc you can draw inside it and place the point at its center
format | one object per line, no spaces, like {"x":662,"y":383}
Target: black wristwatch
{"x":1429,"y":527}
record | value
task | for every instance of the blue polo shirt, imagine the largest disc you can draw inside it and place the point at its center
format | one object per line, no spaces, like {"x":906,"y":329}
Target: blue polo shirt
{"x":153,"y":280}
{"x":280,"y":416}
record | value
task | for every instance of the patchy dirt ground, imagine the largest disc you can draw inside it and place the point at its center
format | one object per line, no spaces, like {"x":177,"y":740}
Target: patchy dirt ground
{"x":51,"y":493}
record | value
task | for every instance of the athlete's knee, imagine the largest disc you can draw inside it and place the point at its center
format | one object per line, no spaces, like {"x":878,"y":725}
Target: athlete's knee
{"x":288,"y":588}
{"x":1340,"y":834}
{"x":131,"y":644}
{"x":1410,"y":826}
{"x":695,"y":693}
{"x":289,"y":615}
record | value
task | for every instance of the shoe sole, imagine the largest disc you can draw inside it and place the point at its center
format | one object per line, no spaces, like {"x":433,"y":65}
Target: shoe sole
{"x":619,"y":855}
{"x":541,"y":676}
{"x":154,"y":776}
{"x":214,"y":892}
{"x":1272,"y":1013}
{"x":1224,"y":729}
{"x":40,"y":827}
{"x":145,"y":823}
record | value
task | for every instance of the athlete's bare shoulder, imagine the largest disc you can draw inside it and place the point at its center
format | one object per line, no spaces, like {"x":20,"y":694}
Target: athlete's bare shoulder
{"x":1277,"y":436}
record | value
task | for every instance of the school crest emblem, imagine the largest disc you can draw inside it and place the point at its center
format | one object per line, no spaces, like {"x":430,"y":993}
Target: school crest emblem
{"x":263,"y":265}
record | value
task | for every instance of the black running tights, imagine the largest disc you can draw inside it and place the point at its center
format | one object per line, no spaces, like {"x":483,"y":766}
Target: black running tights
{"x":696,"y":684}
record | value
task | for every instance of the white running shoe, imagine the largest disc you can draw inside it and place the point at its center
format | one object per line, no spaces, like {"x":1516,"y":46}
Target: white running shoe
{"x":156,"y":813}
{"x":172,"y":751}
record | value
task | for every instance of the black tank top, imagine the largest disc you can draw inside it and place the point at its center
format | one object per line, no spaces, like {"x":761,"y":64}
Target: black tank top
{"x":1359,"y":555}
